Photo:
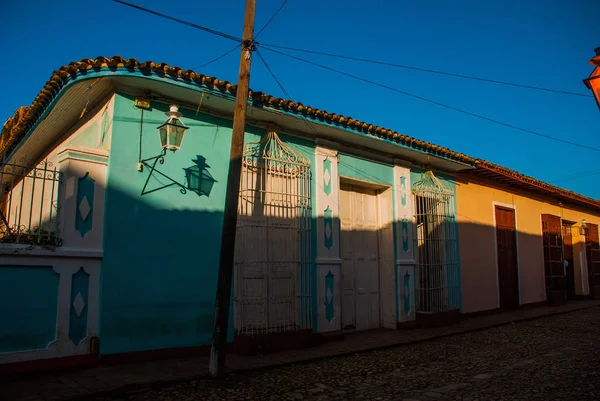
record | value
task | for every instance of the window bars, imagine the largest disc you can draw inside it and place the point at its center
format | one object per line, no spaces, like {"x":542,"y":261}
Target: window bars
{"x":438,"y":281}
{"x":272,"y":275}
{"x":29,"y":203}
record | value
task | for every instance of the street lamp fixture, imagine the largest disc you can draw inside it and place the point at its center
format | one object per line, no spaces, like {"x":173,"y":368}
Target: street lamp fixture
{"x":593,"y":81}
{"x":583,"y":228}
{"x":171,"y":134}
{"x":172,"y":131}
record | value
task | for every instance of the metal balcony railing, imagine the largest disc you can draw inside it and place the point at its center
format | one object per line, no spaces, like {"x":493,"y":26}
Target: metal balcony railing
{"x":29,"y":204}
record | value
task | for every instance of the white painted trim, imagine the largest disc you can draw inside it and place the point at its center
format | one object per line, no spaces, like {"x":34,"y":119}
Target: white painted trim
{"x":62,"y":345}
{"x":513,"y":207}
{"x":403,"y":262}
{"x":404,"y":212}
{"x":326,"y":151}
{"x":328,"y":261}
{"x":543,"y":259}
{"x":93,"y":301}
{"x":377,"y":186}
{"x":62,"y":252}
{"x":73,"y":152}
{"x":581,"y":270}
{"x":385,"y":217}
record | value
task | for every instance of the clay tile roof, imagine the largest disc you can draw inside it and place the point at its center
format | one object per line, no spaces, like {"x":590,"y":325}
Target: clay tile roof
{"x":15,"y":128}
{"x":531,"y":182}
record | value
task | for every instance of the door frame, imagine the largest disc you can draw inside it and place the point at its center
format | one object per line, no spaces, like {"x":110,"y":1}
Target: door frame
{"x":379,"y":188}
{"x":514,"y":208}
{"x":569,"y":223}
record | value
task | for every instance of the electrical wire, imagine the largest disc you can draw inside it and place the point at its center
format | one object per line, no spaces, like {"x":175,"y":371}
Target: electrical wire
{"x":236,"y":46}
{"x":285,"y":92}
{"x":577,"y":175}
{"x":451,"y":74}
{"x":435,"y":102}
{"x":190,"y":24}
{"x":271,"y":19}
{"x":216,"y":59}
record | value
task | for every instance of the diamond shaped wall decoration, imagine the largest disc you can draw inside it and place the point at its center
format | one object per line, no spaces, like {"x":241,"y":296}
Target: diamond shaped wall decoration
{"x":78,"y":304}
{"x":84,"y":208}
{"x":78,"y":314}
{"x":327,"y":176}
{"x":329,"y":297}
{"x":328,"y":223}
{"x":84,"y":216}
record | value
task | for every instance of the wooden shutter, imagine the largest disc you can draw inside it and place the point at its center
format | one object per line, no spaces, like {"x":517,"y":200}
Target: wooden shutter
{"x":593,"y":257}
{"x":554,"y":267}
{"x":506,"y":243}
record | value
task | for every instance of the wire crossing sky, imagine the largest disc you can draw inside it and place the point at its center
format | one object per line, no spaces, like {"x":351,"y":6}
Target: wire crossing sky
{"x":513,"y":62}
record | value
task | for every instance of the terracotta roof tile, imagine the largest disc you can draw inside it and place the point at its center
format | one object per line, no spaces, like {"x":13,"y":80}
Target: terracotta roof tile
{"x":16,"y":127}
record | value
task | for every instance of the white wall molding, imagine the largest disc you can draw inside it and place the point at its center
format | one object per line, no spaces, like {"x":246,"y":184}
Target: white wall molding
{"x":328,"y":239}
{"x":405,"y":244}
{"x":62,"y":345}
{"x":61,"y":252}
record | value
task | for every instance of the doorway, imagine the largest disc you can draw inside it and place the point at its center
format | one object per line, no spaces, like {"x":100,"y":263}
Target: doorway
{"x":554,"y":265}
{"x":359,"y":211}
{"x":593,"y":259}
{"x":506,"y":249}
{"x":569,"y":262}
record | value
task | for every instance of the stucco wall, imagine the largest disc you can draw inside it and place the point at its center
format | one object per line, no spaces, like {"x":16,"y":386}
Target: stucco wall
{"x":475,"y":202}
{"x":161,"y":249}
{"x":49,"y":298}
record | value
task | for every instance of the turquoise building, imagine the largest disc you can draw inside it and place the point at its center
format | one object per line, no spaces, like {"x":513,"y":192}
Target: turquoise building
{"x":110,"y":243}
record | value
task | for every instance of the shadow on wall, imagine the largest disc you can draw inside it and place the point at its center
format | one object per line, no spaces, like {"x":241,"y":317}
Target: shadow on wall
{"x":160,"y":267}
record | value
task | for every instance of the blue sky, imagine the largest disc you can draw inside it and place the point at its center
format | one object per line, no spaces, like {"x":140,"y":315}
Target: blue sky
{"x":540,"y":43}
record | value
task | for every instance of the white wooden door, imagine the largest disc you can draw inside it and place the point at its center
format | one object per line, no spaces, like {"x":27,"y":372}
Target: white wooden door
{"x":347,"y":245}
{"x":360,"y":258}
{"x":386,"y":260}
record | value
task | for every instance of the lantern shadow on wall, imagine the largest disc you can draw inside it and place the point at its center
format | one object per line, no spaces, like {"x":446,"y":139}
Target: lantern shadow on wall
{"x":198,"y":178}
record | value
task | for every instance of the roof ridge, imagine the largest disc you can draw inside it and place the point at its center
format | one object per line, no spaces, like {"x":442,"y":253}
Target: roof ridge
{"x":16,"y":127}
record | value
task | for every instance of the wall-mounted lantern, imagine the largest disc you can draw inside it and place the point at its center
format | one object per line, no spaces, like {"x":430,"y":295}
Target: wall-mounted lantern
{"x":593,"y":81}
{"x":172,"y":131}
{"x":171,"y":135}
{"x":583,"y":228}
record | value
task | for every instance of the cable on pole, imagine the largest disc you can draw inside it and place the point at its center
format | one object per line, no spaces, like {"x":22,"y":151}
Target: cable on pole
{"x":271,"y":19}
{"x":217,"y":58}
{"x":285,"y":92}
{"x":190,"y":24}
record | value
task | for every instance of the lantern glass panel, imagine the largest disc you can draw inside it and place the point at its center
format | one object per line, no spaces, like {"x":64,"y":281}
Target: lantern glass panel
{"x":194,"y":180}
{"x":162,"y":130}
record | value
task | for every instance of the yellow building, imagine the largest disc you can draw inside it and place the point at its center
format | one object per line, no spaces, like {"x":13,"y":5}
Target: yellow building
{"x":523,"y":241}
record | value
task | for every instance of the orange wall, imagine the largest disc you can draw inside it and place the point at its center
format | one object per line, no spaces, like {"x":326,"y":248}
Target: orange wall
{"x":477,"y":241}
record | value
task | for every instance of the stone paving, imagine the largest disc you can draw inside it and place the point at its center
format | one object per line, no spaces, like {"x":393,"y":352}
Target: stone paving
{"x":409,"y":371}
{"x":556,"y":358}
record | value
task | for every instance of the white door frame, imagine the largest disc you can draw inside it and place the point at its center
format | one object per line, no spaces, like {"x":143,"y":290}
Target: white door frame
{"x":379,"y":190}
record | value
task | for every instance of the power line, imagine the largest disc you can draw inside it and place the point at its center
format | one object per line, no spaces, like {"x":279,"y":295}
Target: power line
{"x":255,"y":37}
{"x":577,"y":175}
{"x":216,"y":59}
{"x":285,"y":92}
{"x":190,"y":24}
{"x":271,"y":19}
{"x":408,"y":67}
{"x":435,"y":102}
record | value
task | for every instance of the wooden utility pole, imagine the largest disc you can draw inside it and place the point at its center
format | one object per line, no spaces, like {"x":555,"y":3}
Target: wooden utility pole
{"x":219,"y":337}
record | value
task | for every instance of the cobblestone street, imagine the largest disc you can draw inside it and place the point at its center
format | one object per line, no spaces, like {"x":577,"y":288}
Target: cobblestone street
{"x":554,"y":358}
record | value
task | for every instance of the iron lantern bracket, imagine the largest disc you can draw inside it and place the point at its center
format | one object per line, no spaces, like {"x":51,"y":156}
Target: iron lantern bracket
{"x":160,"y":159}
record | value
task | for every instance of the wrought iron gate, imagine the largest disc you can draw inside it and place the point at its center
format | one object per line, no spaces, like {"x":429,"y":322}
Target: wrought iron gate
{"x":438,"y":280}
{"x":273,"y":254}
{"x":29,"y":203}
